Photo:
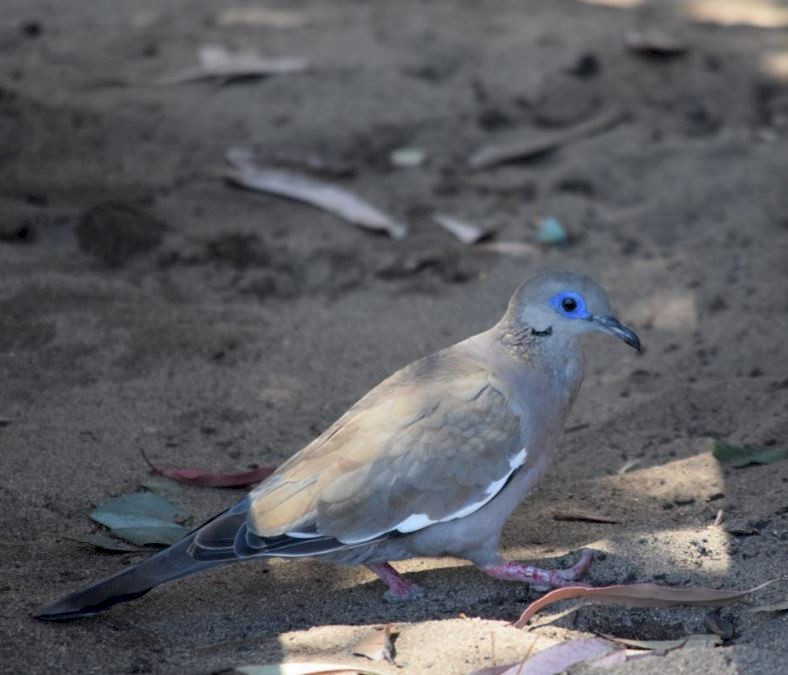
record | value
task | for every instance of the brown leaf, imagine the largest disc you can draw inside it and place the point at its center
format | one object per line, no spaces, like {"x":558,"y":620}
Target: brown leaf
{"x":378,"y":645}
{"x":338,"y":201}
{"x":638,"y":595}
{"x":530,"y":144}
{"x":584,"y":517}
{"x":210,"y":479}
{"x":668,"y":645}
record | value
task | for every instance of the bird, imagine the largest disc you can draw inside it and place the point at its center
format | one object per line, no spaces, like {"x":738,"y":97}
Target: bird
{"x":430,"y":462}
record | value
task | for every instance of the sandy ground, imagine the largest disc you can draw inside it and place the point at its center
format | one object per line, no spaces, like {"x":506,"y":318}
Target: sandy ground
{"x":233,"y":327}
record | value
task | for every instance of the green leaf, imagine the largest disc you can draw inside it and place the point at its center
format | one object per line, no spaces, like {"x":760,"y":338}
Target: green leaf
{"x":740,"y":456}
{"x":141,"y":518}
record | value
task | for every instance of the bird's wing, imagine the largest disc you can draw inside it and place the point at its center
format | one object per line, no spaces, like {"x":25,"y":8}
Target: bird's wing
{"x":434,"y":442}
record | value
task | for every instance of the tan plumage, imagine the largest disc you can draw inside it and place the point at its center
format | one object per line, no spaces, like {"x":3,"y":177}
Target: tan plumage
{"x":432,"y":461}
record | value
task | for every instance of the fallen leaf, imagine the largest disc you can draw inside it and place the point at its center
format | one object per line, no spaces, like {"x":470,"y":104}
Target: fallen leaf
{"x":638,"y":595}
{"x":655,"y":43}
{"x":466,"y":232}
{"x":719,"y":518}
{"x":530,"y":144}
{"x":584,"y":517}
{"x":301,"y":669}
{"x":260,"y":16}
{"x":216,"y":480}
{"x":774,"y":607}
{"x":740,"y":456}
{"x":668,"y":645}
{"x":141,"y":518}
{"x":515,"y":249}
{"x":249,"y":174}
{"x":216,"y":61}
{"x":555,"y":659}
{"x":407,"y":158}
{"x":105,"y":543}
{"x":550,"y":231}
{"x":630,"y":464}
{"x":377,"y":646}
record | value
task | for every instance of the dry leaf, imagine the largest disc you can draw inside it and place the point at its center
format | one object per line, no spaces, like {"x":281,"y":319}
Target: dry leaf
{"x":515,"y":249}
{"x":774,"y":607}
{"x":668,"y":645}
{"x":216,"y":61}
{"x":530,"y":144}
{"x":584,"y":517}
{"x":210,"y":479}
{"x":630,"y":464}
{"x":377,"y":646}
{"x":466,"y":232}
{"x":638,"y":595}
{"x":249,"y":174}
{"x":555,"y":659}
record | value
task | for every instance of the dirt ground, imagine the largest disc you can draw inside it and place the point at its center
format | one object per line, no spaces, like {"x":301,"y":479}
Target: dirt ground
{"x":221,"y":328}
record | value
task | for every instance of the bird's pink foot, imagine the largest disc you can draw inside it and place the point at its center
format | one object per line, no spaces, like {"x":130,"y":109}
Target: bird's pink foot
{"x":400,"y":588}
{"x":539,"y":578}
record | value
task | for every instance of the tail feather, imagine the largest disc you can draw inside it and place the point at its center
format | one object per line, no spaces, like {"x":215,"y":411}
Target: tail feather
{"x":168,"y":565}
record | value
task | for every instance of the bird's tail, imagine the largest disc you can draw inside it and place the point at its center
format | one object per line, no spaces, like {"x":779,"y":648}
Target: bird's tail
{"x":172,"y":563}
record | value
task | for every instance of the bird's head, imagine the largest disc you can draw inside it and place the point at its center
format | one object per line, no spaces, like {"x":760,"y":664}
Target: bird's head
{"x":566,"y":305}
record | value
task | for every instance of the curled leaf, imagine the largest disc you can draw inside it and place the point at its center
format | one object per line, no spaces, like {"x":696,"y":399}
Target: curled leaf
{"x":531,"y":144}
{"x":377,"y":646}
{"x":638,"y":595}
{"x":249,"y":174}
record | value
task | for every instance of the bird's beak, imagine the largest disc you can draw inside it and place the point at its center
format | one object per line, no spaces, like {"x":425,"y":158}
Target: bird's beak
{"x":612,"y":325}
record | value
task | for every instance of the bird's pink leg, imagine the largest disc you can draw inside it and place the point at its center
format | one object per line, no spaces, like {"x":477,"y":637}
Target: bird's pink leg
{"x":399,"y":587}
{"x":513,"y":571}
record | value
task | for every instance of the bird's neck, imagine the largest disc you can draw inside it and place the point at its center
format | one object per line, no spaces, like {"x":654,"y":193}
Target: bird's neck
{"x":531,"y":346}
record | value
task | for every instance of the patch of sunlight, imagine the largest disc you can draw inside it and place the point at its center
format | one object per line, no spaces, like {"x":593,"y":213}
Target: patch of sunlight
{"x":697,"y":546}
{"x":620,"y":4}
{"x":757,"y":13}
{"x":775,"y":64}
{"x":667,"y":311}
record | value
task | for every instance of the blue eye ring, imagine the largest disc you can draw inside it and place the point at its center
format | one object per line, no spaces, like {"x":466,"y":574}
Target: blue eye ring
{"x":570,"y":305}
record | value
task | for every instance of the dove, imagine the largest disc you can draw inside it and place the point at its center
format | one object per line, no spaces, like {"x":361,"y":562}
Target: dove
{"x":431,"y":462}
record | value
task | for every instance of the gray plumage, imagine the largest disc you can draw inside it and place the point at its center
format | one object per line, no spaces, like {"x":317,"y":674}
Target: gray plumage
{"x":431,"y":462}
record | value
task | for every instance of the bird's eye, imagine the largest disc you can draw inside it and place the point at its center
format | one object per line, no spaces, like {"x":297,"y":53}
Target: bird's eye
{"x":569,"y":304}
